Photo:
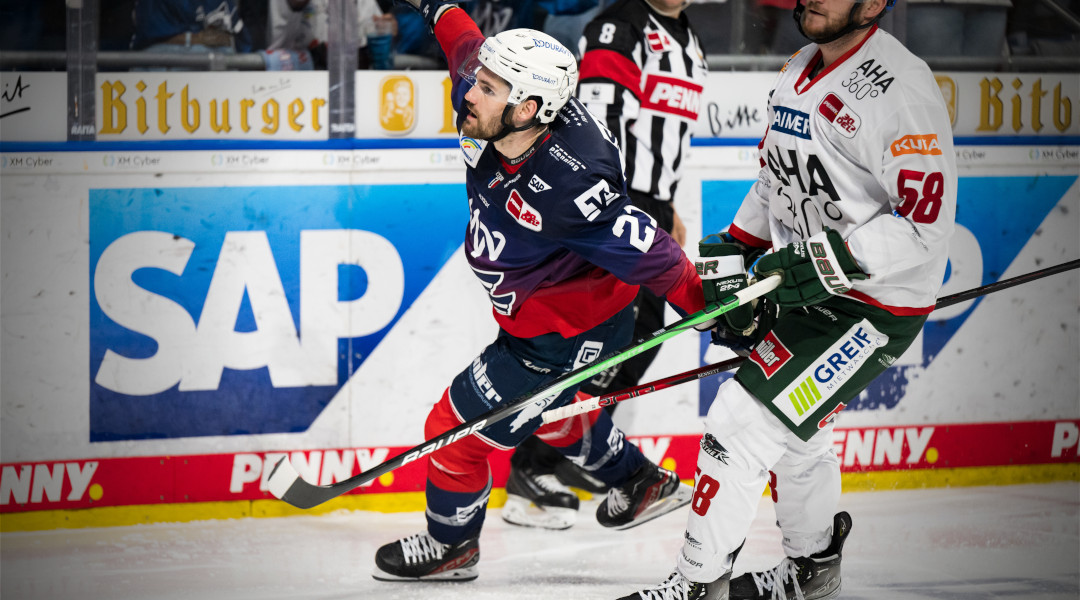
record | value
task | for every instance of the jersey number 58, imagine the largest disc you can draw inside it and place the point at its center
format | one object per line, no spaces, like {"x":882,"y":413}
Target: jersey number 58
{"x":924,"y":205}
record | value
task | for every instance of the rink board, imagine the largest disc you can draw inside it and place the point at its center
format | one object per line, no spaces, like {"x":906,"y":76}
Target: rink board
{"x":176,"y":311}
{"x":115,"y":260}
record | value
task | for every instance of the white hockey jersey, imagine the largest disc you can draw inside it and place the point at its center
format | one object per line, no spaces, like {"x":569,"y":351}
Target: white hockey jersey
{"x":864,"y":148}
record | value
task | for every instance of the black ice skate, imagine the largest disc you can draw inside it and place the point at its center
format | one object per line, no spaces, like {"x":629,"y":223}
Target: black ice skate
{"x":677,"y":587}
{"x":814,"y":577}
{"x":574,"y":476}
{"x":535,"y":500}
{"x":650,"y":492}
{"x":420,"y":558}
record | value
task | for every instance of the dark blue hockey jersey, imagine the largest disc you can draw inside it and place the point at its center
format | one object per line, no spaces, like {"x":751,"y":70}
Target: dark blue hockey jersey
{"x":553,"y":237}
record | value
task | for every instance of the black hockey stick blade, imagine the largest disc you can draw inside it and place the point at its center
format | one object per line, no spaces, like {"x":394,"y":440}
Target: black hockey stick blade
{"x":285,"y":482}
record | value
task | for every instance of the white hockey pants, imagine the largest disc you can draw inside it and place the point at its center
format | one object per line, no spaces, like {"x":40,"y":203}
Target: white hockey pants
{"x":748,"y":443}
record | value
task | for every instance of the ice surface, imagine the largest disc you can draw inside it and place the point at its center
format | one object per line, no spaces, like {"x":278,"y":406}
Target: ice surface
{"x":1015,"y":542}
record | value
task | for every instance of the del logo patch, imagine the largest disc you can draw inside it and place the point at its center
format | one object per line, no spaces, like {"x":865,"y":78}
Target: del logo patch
{"x":523,"y":213}
{"x":658,"y":42}
{"x":844,"y":120}
{"x":770,"y":355}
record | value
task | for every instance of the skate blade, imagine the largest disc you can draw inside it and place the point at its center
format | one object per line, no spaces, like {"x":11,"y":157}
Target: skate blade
{"x":463,"y":574}
{"x":661,"y":507}
{"x":519,"y":511}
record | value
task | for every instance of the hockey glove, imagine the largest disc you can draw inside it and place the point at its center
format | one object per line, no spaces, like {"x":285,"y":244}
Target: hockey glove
{"x":812,"y":271}
{"x":722,"y":266}
{"x":431,"y":10}
{"x":765,"y":315}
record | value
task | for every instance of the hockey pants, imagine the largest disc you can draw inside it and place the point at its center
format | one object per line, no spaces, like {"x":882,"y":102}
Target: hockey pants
{"x":459,"y":477}
{"x":773,"y":423}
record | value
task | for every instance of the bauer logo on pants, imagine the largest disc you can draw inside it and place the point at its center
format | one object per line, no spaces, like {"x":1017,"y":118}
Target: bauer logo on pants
{"x":826,"y":375}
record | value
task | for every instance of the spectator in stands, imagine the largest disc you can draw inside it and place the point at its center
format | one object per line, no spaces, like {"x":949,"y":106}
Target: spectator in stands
{"x":1034,"y":28}
{"x":778,"y":33}
{"x":298,"y":30}
{"x":956,"y":27}
{"x":190,"y":27}
{"x":567,"y":16}
{"x":414,"y":39}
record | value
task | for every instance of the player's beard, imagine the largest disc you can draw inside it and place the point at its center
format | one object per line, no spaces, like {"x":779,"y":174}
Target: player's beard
{"x":832,"y":26}
{"x":481,"y":129}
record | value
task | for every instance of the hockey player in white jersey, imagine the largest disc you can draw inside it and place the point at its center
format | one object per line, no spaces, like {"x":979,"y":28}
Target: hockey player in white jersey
{"x":855,"y":202}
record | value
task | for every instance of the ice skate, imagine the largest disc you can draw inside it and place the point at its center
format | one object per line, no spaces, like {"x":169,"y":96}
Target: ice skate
{"x":650,"y":493}
{"x":677,"y":587}
{"x":574,"y":476}
{"x":420,"y":557}
{"x":534,"y":500}
{"x":814,"y":577}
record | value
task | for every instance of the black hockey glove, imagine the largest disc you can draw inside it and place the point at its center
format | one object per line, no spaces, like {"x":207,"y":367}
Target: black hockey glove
{"x":431,"y":10}
{"x":722,"y":266}
{"x":812,"y":271}
{"x":765,"y":314}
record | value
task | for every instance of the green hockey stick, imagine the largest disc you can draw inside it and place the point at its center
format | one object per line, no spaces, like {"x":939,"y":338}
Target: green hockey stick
{"x":285,"y":481}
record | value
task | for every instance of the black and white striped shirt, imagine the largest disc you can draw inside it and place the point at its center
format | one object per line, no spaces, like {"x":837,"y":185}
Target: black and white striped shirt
{"x":643,"y":74}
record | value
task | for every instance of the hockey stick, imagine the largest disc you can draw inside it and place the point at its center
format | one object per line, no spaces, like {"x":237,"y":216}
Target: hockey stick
{"x":586,"y":406}
{"x":285,"y":482}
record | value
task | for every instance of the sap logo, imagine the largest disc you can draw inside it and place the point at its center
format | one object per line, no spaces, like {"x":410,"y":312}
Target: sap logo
{"x":879,"y":447}
{"x":538,"y":185}
{"x":193,"y":354}
{"x":791,"y":122}
{"x":673,"y":96}
{"x":324,"y":467}
{"x":34,"y":484}
{"x":526,"y":216}
{"x":916,"y":144}
{"x":770,"y":354}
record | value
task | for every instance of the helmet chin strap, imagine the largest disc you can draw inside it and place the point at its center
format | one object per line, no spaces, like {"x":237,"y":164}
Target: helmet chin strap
{"x":797,"y":13}
{"x":506,"y":121}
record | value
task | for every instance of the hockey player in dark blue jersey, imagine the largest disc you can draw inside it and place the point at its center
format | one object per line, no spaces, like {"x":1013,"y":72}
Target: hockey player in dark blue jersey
{"x":552,"y":237}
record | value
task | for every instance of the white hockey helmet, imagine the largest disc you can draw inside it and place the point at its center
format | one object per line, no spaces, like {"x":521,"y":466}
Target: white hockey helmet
{"x":533,"y":63}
